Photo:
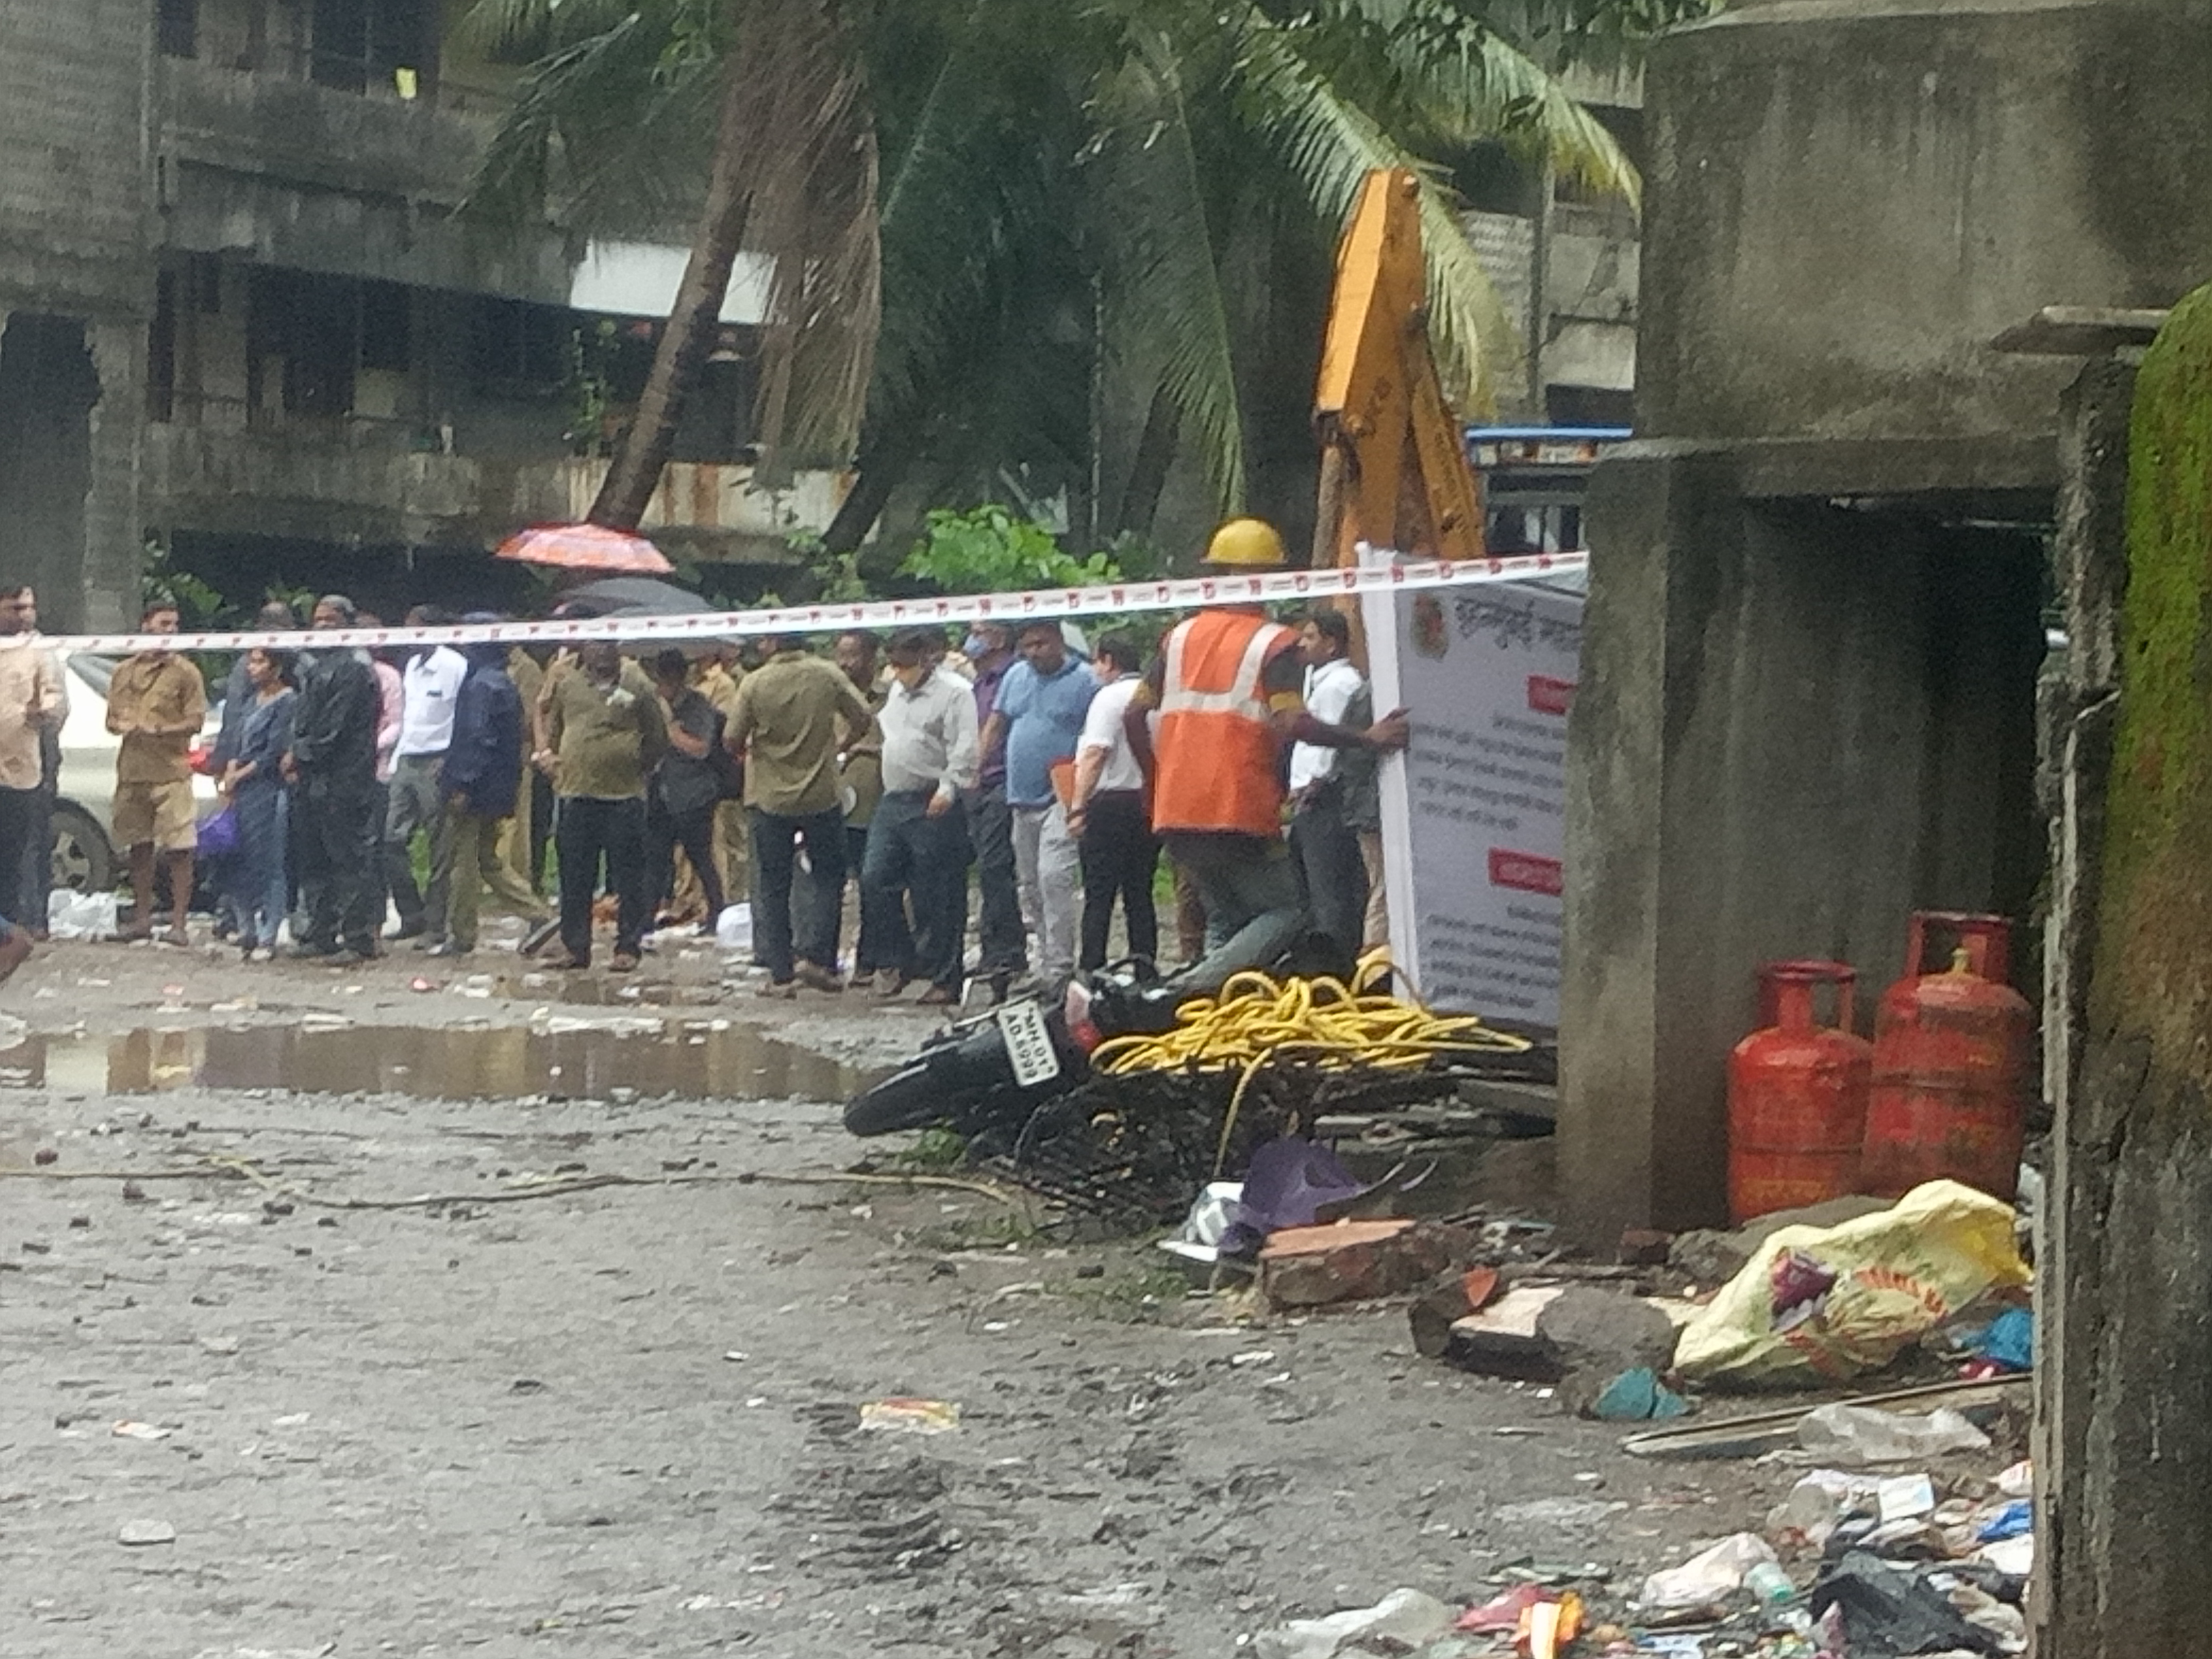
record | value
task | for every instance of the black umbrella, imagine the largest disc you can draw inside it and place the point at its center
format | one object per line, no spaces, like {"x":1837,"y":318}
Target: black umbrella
{"x":632,"y":596}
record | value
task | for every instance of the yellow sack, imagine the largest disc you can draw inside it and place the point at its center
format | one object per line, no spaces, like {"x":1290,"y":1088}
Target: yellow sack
{"x":1831,"y":1303}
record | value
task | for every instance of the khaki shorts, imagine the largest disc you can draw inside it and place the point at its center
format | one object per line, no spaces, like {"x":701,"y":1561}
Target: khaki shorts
{"x":161,"y":813}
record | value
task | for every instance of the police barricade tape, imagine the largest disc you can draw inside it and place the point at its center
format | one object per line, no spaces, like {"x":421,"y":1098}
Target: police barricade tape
{"x":888,"y":616}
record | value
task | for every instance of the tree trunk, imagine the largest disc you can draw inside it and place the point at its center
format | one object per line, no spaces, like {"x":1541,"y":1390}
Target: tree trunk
{"x":881,"y":468}
{"x":692,"y":326}
{"x":2126,"y":1528}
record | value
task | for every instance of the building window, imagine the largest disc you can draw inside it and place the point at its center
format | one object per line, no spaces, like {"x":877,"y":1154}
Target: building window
{"x":518,"y":347}
{"x":385,"y":327}
{"x":161,"y":350}
{"x":176,"y":28}
{"x":388,"y":45}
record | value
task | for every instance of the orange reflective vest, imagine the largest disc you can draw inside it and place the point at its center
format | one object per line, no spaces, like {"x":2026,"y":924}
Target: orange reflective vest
{"x":1217,"y":765}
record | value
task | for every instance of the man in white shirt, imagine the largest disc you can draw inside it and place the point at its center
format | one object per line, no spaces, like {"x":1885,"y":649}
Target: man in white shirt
{"x":430,"y":688}
{"x":32,"y":705}
{"x":918,"y":852}
{"x":1109,"y":819}
{"x":1323,"y":844}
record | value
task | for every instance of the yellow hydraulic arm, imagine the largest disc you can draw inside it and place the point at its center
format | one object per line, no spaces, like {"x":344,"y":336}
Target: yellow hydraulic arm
{"x":1394,"y":470}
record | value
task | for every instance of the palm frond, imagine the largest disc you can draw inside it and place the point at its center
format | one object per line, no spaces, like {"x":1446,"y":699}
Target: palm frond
{"x":1165,"y":280}
{"x":1329,"y":146}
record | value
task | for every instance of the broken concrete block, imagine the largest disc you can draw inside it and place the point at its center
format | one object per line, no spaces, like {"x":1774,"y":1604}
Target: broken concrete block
{"x":1596,"y":1335}
{"x":1501,"y":1340}
{"x":1645,"y":1247}
{"x":1450,"y":1298}
{"x":1354,"y":1261}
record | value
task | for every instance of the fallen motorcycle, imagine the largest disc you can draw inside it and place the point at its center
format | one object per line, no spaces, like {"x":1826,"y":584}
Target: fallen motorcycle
{"x":992,"y":1071}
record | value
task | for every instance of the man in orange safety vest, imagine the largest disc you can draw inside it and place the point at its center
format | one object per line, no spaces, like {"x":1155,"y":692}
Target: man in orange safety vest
{"x":1228,"y":690}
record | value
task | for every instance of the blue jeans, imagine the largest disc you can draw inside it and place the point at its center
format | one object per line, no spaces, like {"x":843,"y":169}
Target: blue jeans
{"x":256,"y":888}
{"x":912,"y":854}
{"x":776,"y":862}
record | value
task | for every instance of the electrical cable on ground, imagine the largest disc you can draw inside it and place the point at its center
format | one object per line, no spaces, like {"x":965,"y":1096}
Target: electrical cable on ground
{"x":1258,"y":1020}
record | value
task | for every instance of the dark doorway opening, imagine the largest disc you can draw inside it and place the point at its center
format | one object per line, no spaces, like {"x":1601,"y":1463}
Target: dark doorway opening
{"x":48,"y":386}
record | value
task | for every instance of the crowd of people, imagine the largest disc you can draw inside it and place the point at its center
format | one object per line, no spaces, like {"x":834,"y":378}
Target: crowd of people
{"x":372,"y":798}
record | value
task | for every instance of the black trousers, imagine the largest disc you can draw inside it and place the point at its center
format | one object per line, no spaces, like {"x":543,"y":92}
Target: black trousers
{"x":591,"y":831}
{"x":912,"y":854}
{"x":338,"y":832}
{"x":694,"y":831}
{"x":1002,"y":942}
{"x":20,"y":810}
{"x":1330,"y":868}
{"x":775,"y":861}
{"x":1118,"y":853}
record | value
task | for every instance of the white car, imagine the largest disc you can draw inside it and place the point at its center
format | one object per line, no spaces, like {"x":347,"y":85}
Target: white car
{"x":85,"y":857}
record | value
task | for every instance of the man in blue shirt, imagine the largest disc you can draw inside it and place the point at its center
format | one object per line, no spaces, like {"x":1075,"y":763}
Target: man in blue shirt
{"x":1035,"y":722}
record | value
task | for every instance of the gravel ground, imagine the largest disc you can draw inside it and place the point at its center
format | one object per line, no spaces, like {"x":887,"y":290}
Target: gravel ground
{"x":625,"y":1421}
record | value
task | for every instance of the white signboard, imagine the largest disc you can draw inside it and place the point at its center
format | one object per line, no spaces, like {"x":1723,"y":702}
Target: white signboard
{"x":1473,"y":814}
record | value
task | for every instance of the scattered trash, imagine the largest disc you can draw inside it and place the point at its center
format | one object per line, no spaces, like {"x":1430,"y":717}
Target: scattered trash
{"x":1596,"y":1335}
{"x":900,"y":1415}
{"x":45,"y":1156}
{"x":72,"y":915}
{"x":1858,"y":1435}
{"x":2013,"y":1521}
{"x":1709,"y":1575}
{"x":1886,"y":1614}
{"x":1903,"y":1497}
{"x":734,"y":927}
{"x":1762,"y":1431}
{"x":145,"y":1532}
{"x":132,"y":1431}
{"x":1408,"y":1618}
{"x":1503,"y":1611}
{"x":1290,"y":1182}
{"x":2018,"y":1481}
{"x":1836,"y":1302}
{"x":1637,"y":1395}
{"x":2014,"y":1557}
{"x":2007,"y":1343}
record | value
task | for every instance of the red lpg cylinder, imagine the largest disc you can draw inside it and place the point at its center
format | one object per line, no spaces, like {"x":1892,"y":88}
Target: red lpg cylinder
{"x":1951,"y":1060}
{"x":1797,"y":1095}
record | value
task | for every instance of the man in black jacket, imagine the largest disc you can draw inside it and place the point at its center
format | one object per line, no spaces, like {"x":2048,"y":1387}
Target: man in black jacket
{"x":335,"y":826}
{"x":478,"y":785}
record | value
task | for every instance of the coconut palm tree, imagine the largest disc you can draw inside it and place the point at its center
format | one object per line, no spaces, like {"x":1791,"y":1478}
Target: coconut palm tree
{"x":1062,"y":189}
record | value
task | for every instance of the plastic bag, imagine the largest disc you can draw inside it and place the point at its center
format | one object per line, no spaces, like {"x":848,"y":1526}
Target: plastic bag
{"x":734,"y":928}
{"x":1891,"y":1277}
{"x":219,"y":833}
{"x":71,"y":915}
{"x":1855,"y":1435}
{"x":1406,"y":1617}
{"x":1709,"y":1575}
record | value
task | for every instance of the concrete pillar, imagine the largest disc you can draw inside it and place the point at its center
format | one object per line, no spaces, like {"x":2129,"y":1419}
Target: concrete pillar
{"x":2125,"y":1430}
{"x":115,"y":527}
{"x":1795,"y":724}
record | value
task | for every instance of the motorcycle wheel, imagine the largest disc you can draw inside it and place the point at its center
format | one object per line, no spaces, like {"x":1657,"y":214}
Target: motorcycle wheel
{"x":907,"y":1099}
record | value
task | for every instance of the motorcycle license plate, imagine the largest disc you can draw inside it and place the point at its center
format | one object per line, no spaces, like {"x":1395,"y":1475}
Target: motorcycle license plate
{"x":1028,"y":1045}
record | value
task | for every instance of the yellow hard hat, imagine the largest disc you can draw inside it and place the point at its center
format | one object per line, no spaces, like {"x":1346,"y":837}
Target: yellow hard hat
{"x":1246,"y":543}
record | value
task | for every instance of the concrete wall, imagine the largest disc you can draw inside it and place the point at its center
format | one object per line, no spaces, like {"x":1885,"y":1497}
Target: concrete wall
{"x":1796,"y":723}
{"x":75,"y":269}
{"x":1847,"y":199}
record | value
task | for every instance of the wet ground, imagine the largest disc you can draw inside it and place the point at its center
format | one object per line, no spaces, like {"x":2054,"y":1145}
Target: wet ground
{"x":521,"y":1314}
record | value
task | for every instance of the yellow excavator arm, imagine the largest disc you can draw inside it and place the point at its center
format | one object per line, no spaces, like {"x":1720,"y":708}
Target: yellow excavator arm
{"x":1394,"y":472}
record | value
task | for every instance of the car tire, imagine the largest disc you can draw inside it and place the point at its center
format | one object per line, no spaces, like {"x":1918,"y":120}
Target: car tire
{"x":84,"y":862}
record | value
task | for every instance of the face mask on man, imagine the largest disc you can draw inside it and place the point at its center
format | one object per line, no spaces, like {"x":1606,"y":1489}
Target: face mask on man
{"x":975,"y":646}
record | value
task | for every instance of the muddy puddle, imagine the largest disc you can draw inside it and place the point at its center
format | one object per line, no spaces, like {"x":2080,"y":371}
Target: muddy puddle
{"x":561,"y":1059}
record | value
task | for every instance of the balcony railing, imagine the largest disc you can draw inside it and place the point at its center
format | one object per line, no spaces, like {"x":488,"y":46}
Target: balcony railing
{"x":387,"y":434}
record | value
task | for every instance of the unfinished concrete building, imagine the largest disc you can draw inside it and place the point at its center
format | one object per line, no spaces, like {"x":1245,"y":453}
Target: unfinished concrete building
{"x":242,"y":318}
{"x":1816,"y":610}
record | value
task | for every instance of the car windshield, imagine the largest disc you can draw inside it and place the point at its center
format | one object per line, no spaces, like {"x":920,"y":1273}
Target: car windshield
{"x":94,"y":671}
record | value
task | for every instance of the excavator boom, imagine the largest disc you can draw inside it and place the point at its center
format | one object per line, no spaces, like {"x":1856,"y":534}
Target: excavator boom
{"x":1394,"y":472}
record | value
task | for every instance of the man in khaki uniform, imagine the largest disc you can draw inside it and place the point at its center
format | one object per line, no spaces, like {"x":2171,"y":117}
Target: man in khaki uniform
{"x":518,"y":834}
{"x":717,"y":679}
{"x":794,"y":714}
{"x":156,"y":702}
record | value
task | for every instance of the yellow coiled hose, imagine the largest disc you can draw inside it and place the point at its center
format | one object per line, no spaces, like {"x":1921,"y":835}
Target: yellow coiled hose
{"x":1323,"y":1022}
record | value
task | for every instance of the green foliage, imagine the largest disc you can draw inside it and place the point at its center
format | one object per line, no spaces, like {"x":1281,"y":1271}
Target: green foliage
{"x":161,"y":578}
{"x":991,"y":549}
{"x":589,"y":388}
{"x":935,"y":1151}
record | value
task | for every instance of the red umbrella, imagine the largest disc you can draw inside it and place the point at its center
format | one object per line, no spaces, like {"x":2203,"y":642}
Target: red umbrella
{"x":586,"y":547}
